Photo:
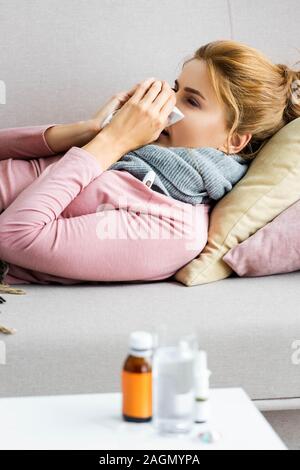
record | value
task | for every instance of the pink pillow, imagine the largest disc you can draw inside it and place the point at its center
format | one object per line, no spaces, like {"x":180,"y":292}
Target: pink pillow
{"x":273,"y":249}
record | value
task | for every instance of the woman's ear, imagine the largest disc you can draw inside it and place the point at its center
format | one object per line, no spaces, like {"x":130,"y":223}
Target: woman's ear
{"x":238,"y":142}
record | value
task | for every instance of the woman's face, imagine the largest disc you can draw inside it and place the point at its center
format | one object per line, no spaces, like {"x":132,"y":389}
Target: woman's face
{"x":203,"y":124}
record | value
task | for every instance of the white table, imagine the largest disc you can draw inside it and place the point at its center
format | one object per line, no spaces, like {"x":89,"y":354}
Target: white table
{"x":94,"y":421}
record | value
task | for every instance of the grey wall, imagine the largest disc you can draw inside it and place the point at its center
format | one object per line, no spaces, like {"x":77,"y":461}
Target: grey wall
{"x":61,"y":59}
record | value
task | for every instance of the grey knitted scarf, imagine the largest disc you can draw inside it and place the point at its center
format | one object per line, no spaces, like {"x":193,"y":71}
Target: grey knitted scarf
{"x":193,"y":175}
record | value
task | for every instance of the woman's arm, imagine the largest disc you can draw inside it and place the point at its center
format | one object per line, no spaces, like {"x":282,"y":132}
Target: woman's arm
{"x":45,"y":140}
{"x":24,"y":142}
{"x":32,"y":233}
{"x":62,"y":137}
{"x":35,"y":236}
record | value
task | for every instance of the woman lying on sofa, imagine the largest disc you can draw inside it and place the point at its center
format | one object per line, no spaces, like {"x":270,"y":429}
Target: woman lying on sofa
{"x":66,"y":219}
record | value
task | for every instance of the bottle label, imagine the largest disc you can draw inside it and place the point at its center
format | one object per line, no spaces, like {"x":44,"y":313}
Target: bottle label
{"x":137,"y":394}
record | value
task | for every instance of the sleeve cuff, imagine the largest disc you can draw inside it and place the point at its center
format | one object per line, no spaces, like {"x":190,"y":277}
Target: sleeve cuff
{"x":48,"y":148}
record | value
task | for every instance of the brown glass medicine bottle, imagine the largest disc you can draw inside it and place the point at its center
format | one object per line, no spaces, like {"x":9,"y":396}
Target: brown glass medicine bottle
{"x":137,"y":378}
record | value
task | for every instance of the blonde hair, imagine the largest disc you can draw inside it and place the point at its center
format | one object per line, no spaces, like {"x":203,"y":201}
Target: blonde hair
{"x":259,"y":97}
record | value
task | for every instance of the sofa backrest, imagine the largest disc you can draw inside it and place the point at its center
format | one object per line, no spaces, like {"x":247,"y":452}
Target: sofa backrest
{"x":60,"y":60}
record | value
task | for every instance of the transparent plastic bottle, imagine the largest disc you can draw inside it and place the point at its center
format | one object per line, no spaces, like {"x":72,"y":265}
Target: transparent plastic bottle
{"x":137,"y":378}
{"x":173,"y":386}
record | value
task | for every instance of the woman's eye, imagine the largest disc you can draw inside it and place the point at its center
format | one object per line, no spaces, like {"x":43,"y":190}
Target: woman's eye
{"x":193,"y":103}
{"x":189,"y":100}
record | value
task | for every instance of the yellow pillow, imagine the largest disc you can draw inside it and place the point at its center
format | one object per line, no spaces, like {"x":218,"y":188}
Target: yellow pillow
{"x":271,"y":184}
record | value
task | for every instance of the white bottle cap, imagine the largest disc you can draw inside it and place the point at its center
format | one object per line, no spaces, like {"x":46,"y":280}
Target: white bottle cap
{"x":141,"y":343}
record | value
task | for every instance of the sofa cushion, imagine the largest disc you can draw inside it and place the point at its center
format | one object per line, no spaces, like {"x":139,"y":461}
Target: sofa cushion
{"x":273,"y":249}
{"x":74,"y":339}
{"x":271,"y":184}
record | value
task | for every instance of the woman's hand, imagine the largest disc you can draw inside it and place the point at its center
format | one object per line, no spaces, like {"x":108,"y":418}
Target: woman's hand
{"x":114,"y":103}
{"x":143,"y":116}
{"x":62,"y":137}
{"x":140,"y":121}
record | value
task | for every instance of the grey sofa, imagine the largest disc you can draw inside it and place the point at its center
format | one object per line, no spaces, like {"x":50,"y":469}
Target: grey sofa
{"x":60,"y":62}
